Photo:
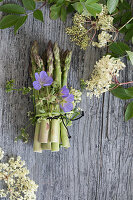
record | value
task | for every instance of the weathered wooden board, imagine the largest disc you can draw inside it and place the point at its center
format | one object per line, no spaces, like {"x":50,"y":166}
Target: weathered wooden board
{"x":98,"y":166}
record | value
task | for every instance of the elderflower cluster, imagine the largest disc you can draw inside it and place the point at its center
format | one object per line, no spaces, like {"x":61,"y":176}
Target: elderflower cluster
{"x":105,"y":21}
{"x":19,"y":186}
{"x":105,"y":24}
{"x":103,"y":39}
{"x":77,"y":94}
{"x":82,"y":36}
{"x":102,"y":74}
{"x":78,"y":33}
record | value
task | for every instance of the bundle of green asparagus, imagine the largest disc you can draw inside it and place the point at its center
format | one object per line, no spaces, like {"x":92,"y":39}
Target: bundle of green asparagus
{"x":54,"y":104}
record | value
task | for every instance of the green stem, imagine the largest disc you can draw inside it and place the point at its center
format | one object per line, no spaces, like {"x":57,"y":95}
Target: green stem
{"x":37,"y":8}
{"x":126,"y":24}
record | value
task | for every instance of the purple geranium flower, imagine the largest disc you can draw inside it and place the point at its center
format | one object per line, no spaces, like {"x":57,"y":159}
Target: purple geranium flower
{"x":64,"y":91}
{"x":66,"y":104}
{"x":42,"y":79}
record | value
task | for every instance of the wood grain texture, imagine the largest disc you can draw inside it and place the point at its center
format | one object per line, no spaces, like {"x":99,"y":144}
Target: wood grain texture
{"x":98,"y":166}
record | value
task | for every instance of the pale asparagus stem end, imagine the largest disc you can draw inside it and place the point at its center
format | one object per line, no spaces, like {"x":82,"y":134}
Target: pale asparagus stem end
{"x":64,"y":137}
{"x":44,"y":131}
{"x":46,"y":146}
{"x":37,"y":144}
{"x":55,"y":130}
{"x":55,"y":146}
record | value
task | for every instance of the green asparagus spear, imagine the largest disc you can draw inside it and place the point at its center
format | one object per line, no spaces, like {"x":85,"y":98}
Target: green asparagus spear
{"x":37,"y":65}
{"x":57,"y":73}
{"x":50,"y":59}
{"x":65,"y":69}
{"x":34,"y":52}
{"x":55,"y":127}
{"x":66,"y":66}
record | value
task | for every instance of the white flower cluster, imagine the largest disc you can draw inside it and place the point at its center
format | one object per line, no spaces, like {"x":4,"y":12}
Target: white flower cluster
{"x":104,"y":24}
{"x":103,"y":39}
{"x":105,"y":21}
{"x":19,"y":186}
{"x":78,"y":32}
{"x":77,"y":94}
{"x":102,"y":74}
{"x":82,"y":36}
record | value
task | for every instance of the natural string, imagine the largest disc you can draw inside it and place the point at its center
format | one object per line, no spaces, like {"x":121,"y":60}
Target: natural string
{"x":62,"y":118}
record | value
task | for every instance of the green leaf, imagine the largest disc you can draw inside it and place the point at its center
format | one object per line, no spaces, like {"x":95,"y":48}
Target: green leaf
{"x":29,"y":4}
{"x":55,"y":12}
{"x":60,"y":2}
{"x":94,"y":8}
{"x":8,"y":21}
{"x":129,"y":26}
{"x":38,"y":15}
{"x":70,"y":9}
{"x":119,"y":48}
{"x":129,"y":35}
{"x":111,"y":5}
{"x":130,"y":54}
{"x":19,"y":23}
{"x":51,"y":1}
{"x":129,"y":91}
{"x":78,"y":7}
{"x":120,"y":93}
{"x":125,"y":5}
{"x":129,"y":111}
{"x":12,"y":8}
{"x":126,"y":17}
{"x":63,"y":14}
{"x":92,"y":1}
{"x":1,"y":0}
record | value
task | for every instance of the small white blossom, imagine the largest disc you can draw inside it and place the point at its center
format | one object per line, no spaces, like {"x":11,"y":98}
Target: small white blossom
{"x":1,"y":154}
{"x":3,"y":193}
{"x":101,"y":77}
{"x":105,"y":21}
{"x":77,"y":94}
{"x":19,"y":186}
{"x":103,"y":39}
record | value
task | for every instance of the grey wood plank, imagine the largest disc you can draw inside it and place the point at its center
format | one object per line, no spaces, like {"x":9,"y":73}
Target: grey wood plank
{"x":98,"y":166}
